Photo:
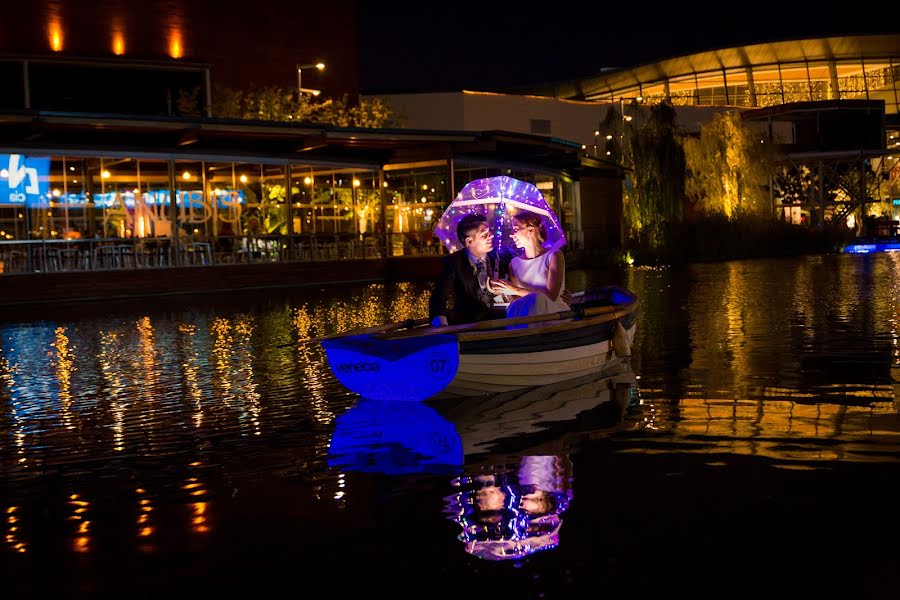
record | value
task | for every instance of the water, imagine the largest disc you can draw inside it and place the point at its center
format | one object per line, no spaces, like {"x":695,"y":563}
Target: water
{"x":201,"y":445}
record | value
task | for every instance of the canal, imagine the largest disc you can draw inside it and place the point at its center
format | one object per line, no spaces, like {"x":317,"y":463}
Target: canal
{"x":200,"y":445}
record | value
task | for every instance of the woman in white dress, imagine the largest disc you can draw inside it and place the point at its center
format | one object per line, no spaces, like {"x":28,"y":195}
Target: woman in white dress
{"x":537,"y":276}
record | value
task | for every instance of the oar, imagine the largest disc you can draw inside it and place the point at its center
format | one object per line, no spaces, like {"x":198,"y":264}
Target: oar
{"x":362,"y":331}
{"x":615,"y":312}
{"x":408,"y":324}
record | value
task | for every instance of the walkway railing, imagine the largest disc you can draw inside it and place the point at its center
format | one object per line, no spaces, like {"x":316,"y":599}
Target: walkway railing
{"x":101,"y":254}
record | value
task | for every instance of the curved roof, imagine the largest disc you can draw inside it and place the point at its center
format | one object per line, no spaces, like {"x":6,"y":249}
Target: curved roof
{"x":879,"y":46}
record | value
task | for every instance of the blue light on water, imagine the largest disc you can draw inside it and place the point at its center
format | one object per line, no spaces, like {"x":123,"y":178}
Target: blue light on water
{"x":869,"y":248}
{"x":409,"y":369}
{"x":395,"y":438}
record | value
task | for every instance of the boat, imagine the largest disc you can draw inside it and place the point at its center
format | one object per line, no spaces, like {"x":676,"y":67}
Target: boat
{"x":412,"y":361}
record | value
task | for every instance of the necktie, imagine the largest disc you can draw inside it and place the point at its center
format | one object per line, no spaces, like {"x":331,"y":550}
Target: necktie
{"x":481,"y":274}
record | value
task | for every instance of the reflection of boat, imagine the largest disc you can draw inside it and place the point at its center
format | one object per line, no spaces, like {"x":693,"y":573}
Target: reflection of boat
{"x":395,"y":438}
{"x":414,"y":437}
{"x":516,"y":482}
{"x":402,"y":361}
{"x":525,"y":419}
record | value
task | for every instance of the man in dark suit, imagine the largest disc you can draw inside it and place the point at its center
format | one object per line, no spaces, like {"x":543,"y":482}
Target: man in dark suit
{"x":465,"y":276}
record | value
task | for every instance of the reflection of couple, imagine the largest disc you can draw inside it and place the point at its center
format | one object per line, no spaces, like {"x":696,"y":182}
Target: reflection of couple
{"x":477,"y":275}
{"x":510,"y":513}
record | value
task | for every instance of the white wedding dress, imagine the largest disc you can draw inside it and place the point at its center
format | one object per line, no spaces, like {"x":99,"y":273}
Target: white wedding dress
{"x":532,"y":273}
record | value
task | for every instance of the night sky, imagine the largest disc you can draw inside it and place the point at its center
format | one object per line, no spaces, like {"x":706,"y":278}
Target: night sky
{"x":407,"y":47}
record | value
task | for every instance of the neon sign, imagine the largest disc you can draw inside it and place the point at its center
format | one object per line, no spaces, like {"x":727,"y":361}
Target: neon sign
{"x":24,"y":180}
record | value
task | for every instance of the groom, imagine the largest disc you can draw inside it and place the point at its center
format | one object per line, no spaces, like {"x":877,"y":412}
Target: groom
{"x":465,"y":275}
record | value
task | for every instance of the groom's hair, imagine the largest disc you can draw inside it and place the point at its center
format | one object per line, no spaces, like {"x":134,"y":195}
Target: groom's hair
{"x":467,"y":225}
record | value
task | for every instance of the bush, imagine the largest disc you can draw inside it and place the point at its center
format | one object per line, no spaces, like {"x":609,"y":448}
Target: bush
{"x":718,"y":237}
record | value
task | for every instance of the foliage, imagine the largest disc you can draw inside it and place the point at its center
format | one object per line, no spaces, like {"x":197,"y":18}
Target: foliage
{"x":716,"y":236}
{"x":188,"y":103}
{"x":273,"y":103}
{"x":648,"y":146}
{"x":654,"y":153}
{"x":728,"y":167}
{"x":793,"y":182}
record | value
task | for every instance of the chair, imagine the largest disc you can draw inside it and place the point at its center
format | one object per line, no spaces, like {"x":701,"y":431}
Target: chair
{"x":106,"y":257}
{"x":12,"y":261}
{"x":198,"y":253}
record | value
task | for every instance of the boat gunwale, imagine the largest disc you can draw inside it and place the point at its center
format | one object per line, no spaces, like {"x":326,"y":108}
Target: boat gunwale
{"x":498,"y":328}
{"x":549,"y":326}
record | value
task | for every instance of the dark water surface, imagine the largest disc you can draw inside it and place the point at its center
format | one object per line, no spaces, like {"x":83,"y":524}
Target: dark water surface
{"x":201,"y":445}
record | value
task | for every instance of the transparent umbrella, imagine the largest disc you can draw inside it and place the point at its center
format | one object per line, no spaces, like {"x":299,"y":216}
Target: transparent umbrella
{"x":499,"y":199}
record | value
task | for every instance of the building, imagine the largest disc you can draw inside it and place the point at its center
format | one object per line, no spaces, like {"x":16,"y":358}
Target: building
{"x":167,"y":57}
{"x":134,"y":201}
{"x":110,"y":162}
{"x":786,"y":79}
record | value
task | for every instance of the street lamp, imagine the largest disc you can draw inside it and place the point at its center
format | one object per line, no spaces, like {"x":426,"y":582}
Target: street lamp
{"x":300,"y":88}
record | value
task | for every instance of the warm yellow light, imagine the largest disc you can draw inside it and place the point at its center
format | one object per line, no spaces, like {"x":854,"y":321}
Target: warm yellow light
{"x":105,"y":174}
{"x":56,"y":193}
{"x":425,"y":186}
{"x":118,"y":43}
{"x":243,"y":179}
{"x":583,"y":147}
{"x":175,"y":48}
{"x":186,"y":175}
{"x":356,"y":183}
{"x":307,"y":180}
{"x":628,"y":117}
{"x":316,"y":92}
{"x":56,"y":36}
{"x":609,"y":136}
{"x":385,"y":184}
{"x":596,"y":132}
{"x":640,"y":98}
{"x":320,"y":66}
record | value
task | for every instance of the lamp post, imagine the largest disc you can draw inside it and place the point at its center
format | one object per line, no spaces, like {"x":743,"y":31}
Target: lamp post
{"x":300,"y":88}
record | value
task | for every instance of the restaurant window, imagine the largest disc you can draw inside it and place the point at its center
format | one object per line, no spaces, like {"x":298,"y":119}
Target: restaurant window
{"x":415,"y":199}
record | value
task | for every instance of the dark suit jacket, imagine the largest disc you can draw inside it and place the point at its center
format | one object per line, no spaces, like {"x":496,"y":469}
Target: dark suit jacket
{"x":458,"y":280}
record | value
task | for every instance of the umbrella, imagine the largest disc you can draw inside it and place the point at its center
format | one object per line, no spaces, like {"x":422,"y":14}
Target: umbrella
{"x":499,"y":199}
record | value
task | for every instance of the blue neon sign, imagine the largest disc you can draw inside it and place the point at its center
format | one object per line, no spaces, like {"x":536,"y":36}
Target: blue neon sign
{"x":24,"y":180}
{"x":192,"y":199}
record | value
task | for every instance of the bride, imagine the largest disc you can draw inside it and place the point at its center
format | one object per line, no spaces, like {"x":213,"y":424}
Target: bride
{"x":537,"y":277}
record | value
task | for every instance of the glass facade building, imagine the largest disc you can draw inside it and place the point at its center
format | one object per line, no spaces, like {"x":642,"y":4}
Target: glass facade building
{"x":786,"y":78}
{"x":838,"y":68}
{"x":185,"y":198}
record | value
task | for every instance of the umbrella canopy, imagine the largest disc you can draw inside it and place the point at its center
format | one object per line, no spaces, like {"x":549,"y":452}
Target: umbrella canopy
{"x":499,"y":199}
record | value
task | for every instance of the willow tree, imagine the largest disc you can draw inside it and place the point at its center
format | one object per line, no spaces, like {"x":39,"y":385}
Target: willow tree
{"x":729,"y":167}
{"x":658,"y":163}
{"x":647,"y":144}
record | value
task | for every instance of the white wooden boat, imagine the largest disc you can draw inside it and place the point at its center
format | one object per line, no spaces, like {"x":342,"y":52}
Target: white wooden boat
{"x":412,"y":361}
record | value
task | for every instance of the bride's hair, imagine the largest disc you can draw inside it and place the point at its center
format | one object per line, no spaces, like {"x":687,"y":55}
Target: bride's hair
{"x":529,"y":219}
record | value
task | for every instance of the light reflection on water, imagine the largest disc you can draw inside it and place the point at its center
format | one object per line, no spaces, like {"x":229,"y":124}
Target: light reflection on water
{"x":167,"y":426}
{"x":788,"y":359}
